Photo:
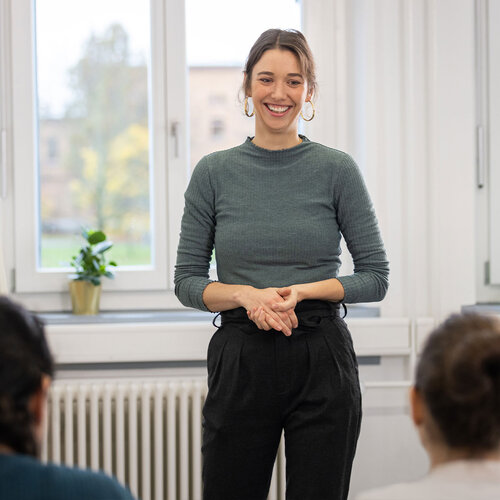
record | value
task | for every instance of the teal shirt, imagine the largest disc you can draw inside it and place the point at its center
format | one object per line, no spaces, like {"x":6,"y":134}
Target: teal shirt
{"x":275,"y":219}
{"x":25,"y":478}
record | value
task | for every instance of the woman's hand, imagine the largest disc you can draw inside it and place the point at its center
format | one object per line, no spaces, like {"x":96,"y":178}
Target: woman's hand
{"x":290,"y":298}
{"x":260,"y":304}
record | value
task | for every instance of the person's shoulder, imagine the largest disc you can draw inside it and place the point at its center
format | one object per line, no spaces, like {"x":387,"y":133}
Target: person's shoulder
{"x":213,"y":165}
{"x":220,"y":157}
{"x":401,"y":491}
{"x":57,"y":482}
{"x":83,"y":483}
{"x":331,"y":156}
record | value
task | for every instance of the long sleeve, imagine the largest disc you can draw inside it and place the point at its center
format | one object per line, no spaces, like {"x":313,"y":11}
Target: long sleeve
{"x":196,"y":239}
{"x":358,"y":224}
{"x":276,"y":219}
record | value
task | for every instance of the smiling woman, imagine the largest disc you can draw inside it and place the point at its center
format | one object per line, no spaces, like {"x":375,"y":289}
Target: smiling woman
{"x":278,"y":90}
{"x":274,"y":209}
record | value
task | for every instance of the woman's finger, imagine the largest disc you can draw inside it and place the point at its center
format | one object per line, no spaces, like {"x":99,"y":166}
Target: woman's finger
{"x":286,"y":319}
{"x":260,"y":319}
{"x":284,"y":305}
{"x":293,"y":318}
{"x":251,"y":314}
{"x":271,"y":320}
{"x":278,"y":324}
{"x":274,"y":322}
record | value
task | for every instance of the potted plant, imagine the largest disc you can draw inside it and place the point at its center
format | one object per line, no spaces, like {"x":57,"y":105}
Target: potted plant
{"x":90,"y":266}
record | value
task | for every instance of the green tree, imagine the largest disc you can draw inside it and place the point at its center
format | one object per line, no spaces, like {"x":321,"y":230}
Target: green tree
{"x":109,"y":108}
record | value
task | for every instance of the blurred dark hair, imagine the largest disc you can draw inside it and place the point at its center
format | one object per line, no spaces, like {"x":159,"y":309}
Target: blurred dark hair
{"x":292,"y":40}
{"x":24,"y":358}
{"x":458,"y":376}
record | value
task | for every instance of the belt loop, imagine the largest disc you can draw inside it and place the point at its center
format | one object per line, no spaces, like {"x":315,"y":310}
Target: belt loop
{"x":335,"y":310}
{"x":215,"y":318}
{"x":345,"y":310}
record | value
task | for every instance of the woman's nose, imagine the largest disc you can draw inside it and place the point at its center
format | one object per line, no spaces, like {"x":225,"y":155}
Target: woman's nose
{"x":278,"y":91}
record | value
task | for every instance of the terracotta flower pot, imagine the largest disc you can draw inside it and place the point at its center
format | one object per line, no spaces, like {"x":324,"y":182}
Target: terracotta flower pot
{"x":85,"y":297}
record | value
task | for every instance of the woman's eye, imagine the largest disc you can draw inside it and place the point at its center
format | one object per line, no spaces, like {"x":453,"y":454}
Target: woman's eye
{"x":295,"y":83}
{"x":265,"y":80}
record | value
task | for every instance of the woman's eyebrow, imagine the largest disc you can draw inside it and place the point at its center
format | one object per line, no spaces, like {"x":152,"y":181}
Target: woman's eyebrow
{"x":270,"y":73}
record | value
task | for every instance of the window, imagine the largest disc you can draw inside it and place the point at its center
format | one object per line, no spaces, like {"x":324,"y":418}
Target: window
{"x":97,"y":131}
{"x":94,"y":91}
{"x":216,"y":54}
{"x":494,"y":92}
{"x":89,"y":142}
{"x":217,"y":129}
{"x":488,"y":150}
{"x":52,"y":149}
{"x":217,"y":99}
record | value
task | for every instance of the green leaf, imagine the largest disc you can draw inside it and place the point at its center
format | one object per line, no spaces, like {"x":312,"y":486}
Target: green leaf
{"x":95,"y":281}
{"x":90,"y":264}
{"x":112,"y":263}
{"x":103,"y":246}
{"x":96,"y":237}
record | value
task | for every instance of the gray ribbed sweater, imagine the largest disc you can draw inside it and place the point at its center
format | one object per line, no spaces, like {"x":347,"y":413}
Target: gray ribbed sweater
{"x":276,"y":218}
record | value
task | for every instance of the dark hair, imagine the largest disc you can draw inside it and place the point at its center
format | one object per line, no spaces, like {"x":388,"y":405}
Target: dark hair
{"x":458,"y":376}
{"x":291,"y":40}
{"x":24,"y":358}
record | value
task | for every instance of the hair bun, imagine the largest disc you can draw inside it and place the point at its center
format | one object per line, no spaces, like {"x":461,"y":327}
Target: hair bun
{"x":474,"y":370}
{"x":459,"y":377}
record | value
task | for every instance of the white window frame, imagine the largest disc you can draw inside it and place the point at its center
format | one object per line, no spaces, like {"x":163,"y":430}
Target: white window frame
{"x":169,"y":142}
{"x":487,"y":154}
{"x":494,"y":139}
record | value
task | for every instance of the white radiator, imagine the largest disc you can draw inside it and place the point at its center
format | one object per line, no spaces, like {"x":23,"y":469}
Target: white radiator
{"x":146,"y":432}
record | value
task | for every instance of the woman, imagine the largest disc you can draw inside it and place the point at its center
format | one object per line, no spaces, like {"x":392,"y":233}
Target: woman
{"x":456,"y":409}
{"x":274,"y":209}
{"x":26,"y":369}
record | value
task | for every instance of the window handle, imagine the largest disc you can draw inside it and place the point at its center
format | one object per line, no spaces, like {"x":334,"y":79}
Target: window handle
{"x":481,"y":156}
{"x":3,"y":166}
{"x":175,"y":132}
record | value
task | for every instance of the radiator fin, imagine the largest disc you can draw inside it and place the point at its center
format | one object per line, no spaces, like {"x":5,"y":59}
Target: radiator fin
{"x":146,"y":432}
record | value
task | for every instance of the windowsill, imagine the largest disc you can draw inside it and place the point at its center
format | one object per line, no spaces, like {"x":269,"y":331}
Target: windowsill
{"x":68,"y":318}
{"x":138,"y":337}
{"x":489,"y":308}
{"x":162,"y":316}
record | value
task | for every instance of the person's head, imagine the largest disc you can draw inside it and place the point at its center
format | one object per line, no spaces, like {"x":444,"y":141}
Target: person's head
{"x":26,"y":367}
{"x":279,"y":71}
{"x":456,"y":398}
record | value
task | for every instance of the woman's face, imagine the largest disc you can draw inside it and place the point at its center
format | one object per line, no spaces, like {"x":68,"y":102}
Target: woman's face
{"x":278,"y":90}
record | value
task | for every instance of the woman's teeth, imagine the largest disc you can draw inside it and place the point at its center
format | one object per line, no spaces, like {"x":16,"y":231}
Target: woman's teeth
{"x":277,"y":109}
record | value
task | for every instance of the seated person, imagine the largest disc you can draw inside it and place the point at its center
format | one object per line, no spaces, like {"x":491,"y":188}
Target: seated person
{"x":455,"y":405}
{"x":26,"y":369}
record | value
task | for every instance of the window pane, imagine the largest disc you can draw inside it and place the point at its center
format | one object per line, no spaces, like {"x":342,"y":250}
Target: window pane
{"x":220,"y":34}
{"x":93,"y":73}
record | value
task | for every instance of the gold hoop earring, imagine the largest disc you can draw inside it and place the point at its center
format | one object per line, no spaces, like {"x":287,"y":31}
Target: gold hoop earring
{"x":246,"y":108}
{"x":312,"y":115}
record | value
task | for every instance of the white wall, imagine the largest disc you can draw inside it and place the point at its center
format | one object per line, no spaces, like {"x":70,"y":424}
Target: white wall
{"x":398,"y":76}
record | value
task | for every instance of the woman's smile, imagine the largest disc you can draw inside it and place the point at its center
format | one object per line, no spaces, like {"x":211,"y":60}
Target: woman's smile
{"x":278,"y":91}
{"x":277,"y":110}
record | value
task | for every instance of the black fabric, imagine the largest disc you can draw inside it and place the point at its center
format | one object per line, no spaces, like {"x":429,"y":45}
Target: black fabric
{"x":261,"y":382}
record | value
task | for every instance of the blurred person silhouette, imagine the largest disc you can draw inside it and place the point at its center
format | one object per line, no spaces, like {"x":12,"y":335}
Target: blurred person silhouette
{"x":26,"y":371}
{"x":455,"y":405}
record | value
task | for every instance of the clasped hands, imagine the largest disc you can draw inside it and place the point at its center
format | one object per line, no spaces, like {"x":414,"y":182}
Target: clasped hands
{"x":273,"y":308}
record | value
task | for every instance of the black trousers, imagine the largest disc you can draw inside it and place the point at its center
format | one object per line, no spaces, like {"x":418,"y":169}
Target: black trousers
{"x":260,"y":383}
